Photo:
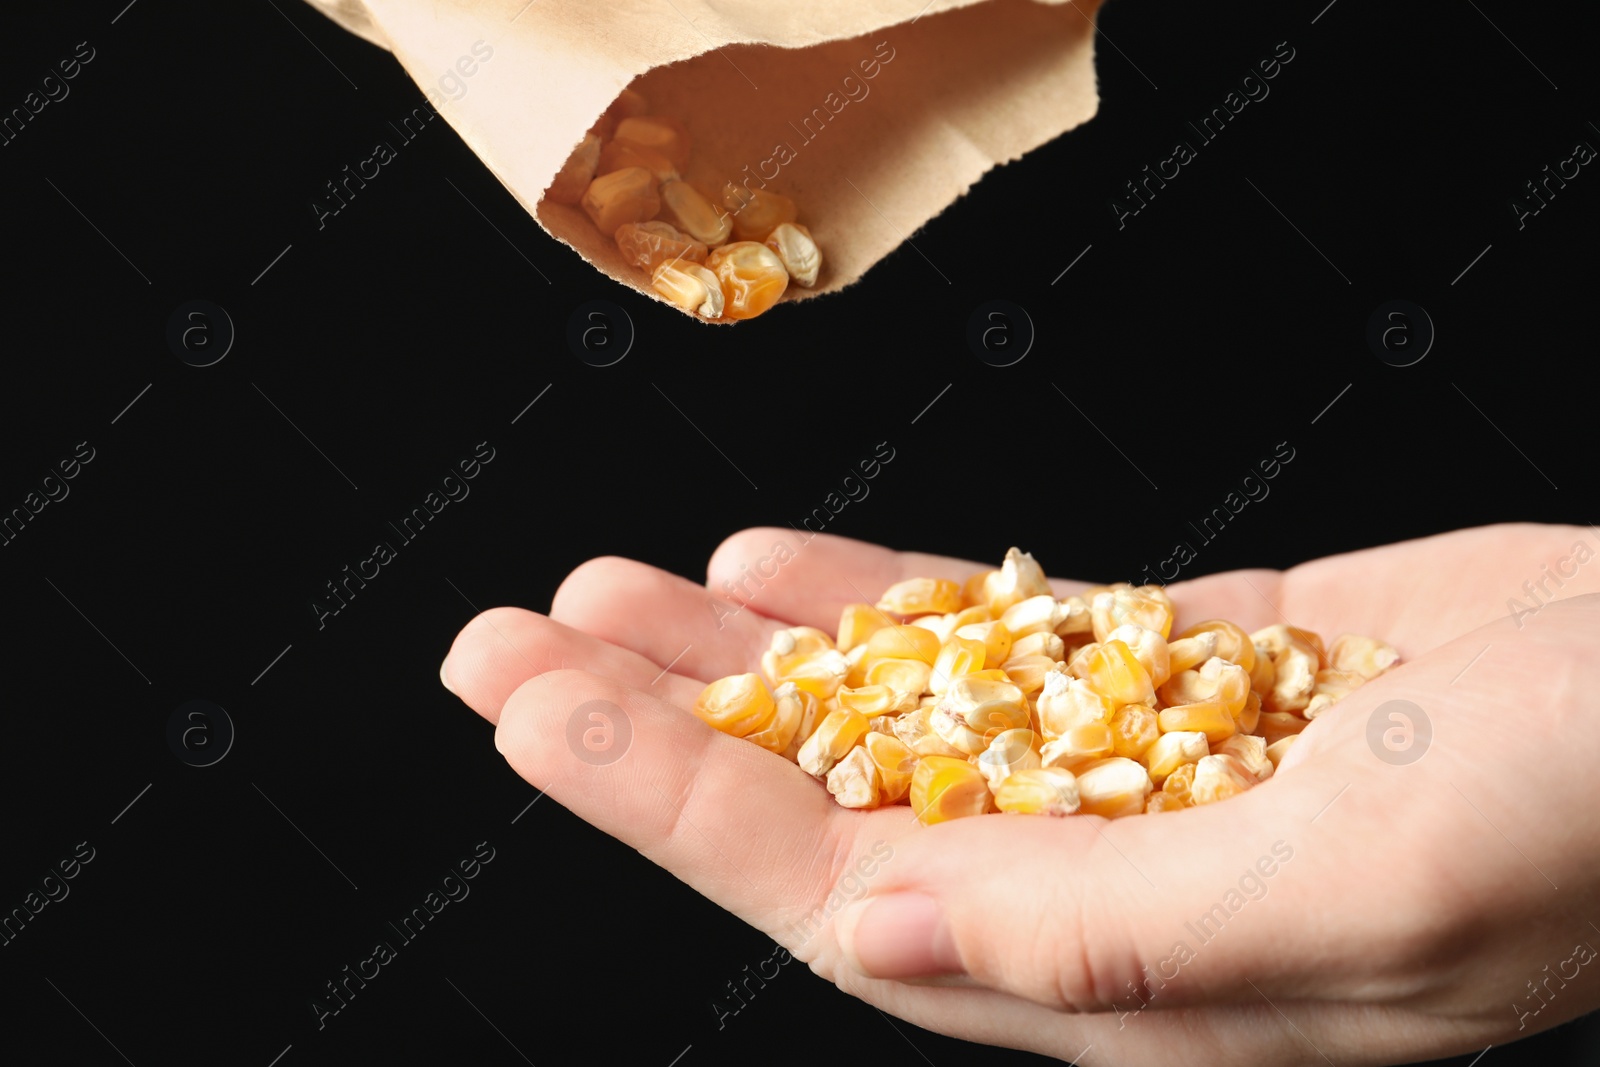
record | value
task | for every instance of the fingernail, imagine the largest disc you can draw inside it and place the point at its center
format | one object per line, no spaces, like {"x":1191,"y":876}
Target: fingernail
{"x":443,"y":680}
{"x":902,"y":935}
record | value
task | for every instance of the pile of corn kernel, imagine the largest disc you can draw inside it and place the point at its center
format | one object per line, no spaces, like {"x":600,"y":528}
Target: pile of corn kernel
{"x":729,"y":262}
{"x":1000,"y":696}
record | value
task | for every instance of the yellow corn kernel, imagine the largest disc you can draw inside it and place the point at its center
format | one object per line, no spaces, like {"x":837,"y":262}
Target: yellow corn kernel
{"x":1251,"y":752}
{"x":991,"y":674}
{"x":787,"y":715}
{"x":627,"y":195}
{"x":1276,"y":725}
{"x":792,"y":243}
{"x":941,"y":626}
{"x":821,"y":672}
{"x":1209,"y":718}
{"x":1280,"y":748}
{"x":1148,"y":647}
{"x":1145,"y":605}
{"x":1134,"y":728}
{"x":853,"y":781}
{"x":1009,"y":752}
{"x":1330,"y":687}
{"x":1078,"y":662}
{"x":1038,"y":791}
{"x":650,"y":244}
{"x":1233,"y":644}
{"x":1365,"y":656}
{"x":1114,"y":673}
{"x":619,"y":154}
{"x":1250,"y":714}
{"x":856,"y":661}
{"x":869,"y":700}
{"x":1218,"y":778}
{"x":994,"y":636}
{"x":973,"y":710}
{"x":944,"y":788}
{"x":627,"y":105}
{"x":752,"y":278}
{"x":957,"y":657}
{"x":906,"y":678}
{"x":1172,"y":751}
{"x":1264,"y":674}
{"x":835,"y":736}
{"x":971,"y":615}
{"x":1216,"y":682}
{"x":921,"y":596}
{"x":756,"y":212}
{"x":1076,"y":619}
{"x":689,"y":208}
{"x":1187,"y":653}
{"x":801,"y":640}
{"x":1028,"y":673}
{"x":573,"y":179}
{"x":657,"y":133}
{"x":1296,"y":658}
{"x":1079,"y":746}
{"x":896,"y":764}
{"x":1043,"y":643}
{"x":811,"y":712}
{"x":915,"y":731}
{"x":689,"y":286}
{"x":972,"y":590}
{"x":738,"y":704}
{"x":1067,"y":702}
{"x":857,"y":622}
{"x":902,"y":642}
{"x":1160,"y":802}
{"x":1037,"y":614}
{"x":1178,"y":784}
{"x":881,"y":724}
{"x":1018,"y":578}
{"x":1112,"y":788}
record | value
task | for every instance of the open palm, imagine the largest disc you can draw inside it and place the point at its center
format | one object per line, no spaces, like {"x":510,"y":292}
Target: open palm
{"x":1417,"y":901}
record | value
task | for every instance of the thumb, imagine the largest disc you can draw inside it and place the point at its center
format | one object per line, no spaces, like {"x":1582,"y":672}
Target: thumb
{"x":1232,"y":901}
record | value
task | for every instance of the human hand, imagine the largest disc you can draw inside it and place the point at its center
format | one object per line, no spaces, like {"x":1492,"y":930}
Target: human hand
{"x":1402,"y":911}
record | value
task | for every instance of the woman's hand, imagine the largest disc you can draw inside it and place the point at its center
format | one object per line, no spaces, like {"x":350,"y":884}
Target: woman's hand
{"x":1370,"y":903}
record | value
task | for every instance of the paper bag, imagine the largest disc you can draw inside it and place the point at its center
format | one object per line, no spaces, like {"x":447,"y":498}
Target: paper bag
{"x":873,"y":116}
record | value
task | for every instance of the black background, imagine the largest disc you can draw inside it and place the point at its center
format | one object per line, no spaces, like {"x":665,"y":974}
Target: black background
{"x":381,"y":349}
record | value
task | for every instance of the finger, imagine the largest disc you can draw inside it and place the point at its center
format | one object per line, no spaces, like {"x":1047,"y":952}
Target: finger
{"x":503,"y":647}
{"x":667,"y":619}
{"x":744,"y":827}
{"x":807,"y":579}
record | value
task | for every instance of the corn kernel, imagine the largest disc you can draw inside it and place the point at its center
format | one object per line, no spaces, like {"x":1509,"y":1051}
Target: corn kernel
{"x":1028,"y":673}
{"x":994,"y":636}
{"x":811,"y":712}
{"x":1076,"y":618}
{"x":1276,"y":725}
{"x":573,"y":179}
{"x":1365,"y":656}
{"x":1330,"y":687}
{"x":689,"y":286}
{"x":802,"y":640}
{"x":1037,"y":614}
{"x":752,"y":278}
{"x":1172,"y":751}
{"x":628,"y":104}
{"x":650,"y":244}
{"x":836,"y":735}
{"x":1009,"y":752}
{"x":854,"y":782}
{"x":1043,"y":643}
{"x":796,"y":250}
{"x":941,"y":626}
{"x":907,"y":679}
{"x":1209,"y":718}
{"x":1218,"y":778}
{"x":618,"y":155}
{"x":857,"y":622}
{"x":787,"y":715}
{"x":902,"y":642}
{"x":1187,"y":653}
{"x":821,"y":672}
{"x":1250,"y":714}
{"x":1038,"y":791}
{"x":657,"y":133}
{"x":693,"y":213}
{"x":973,"y":710}
{"x":738,"y":704}
{"x":1145,"y":605}
{"x":1018,"y":578}
{"x":1112,"y":788}
{"x":1134,"y":728}
{"x":914,"y":730}
{"x":1178,"y":784}
{"x":957,"y":657}
{"x":921,"y":596}
{"x":1280,"y":748}
{"x":1067,"y":702}
{"x":869,"y":700}
{"x":1251,"y":752}
{"x":756,"y":212}
{"x":1233,"y":644}
{"x":1148,"y":647}
{"x":1113,"y":672}
{"x":627,"y":195}
{"x":944,"y":788}
{"x":1159,"y":802}
{"x":896,"y":763}
{"x":1079,"y":746}
{"x":1296,"y":658}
